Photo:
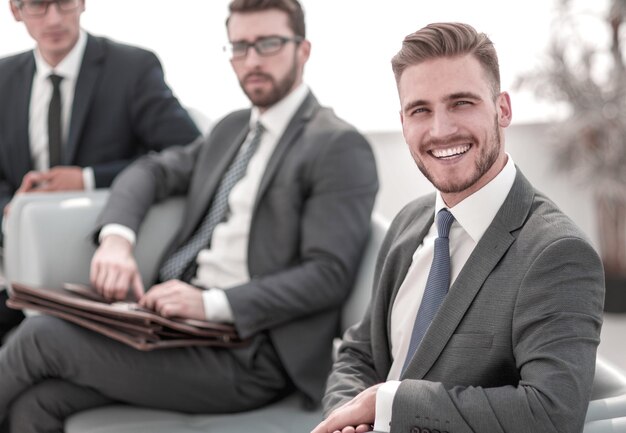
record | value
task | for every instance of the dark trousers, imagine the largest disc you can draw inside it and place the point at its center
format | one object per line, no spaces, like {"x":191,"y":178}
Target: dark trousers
{"x":50,"y":369}
{"x":9,"y":318}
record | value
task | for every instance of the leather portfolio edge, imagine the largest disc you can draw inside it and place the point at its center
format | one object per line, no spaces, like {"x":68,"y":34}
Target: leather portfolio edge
{"x":112,"y":321}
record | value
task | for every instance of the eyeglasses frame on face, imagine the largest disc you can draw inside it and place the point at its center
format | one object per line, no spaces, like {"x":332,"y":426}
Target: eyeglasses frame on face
{"x":284,"y":40}
{"x":22,"y":5}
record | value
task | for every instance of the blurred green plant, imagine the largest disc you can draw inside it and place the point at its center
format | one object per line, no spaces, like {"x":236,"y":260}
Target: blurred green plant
{"x":591,"y":142}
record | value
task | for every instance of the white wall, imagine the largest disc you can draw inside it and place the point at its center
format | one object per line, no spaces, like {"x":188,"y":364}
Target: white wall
{"x":353,"y":42}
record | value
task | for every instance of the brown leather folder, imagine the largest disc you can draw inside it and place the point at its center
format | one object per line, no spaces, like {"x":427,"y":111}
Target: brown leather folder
{"x":126,"y":322}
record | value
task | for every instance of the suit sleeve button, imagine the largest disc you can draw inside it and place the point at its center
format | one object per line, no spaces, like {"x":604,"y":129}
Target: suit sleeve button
{"x":415,"y":430}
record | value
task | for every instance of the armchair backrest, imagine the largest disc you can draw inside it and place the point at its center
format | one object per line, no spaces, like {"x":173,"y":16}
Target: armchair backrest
{"x":359,"y":298}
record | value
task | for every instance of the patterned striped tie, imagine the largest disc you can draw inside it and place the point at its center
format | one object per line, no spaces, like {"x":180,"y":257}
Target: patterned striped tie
{"x":437,"y":284}
{"x":181,"y":264}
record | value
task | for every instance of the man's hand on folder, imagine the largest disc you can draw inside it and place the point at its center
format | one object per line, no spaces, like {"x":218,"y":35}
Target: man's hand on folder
{"x":114,"y":270}
{"x":174,"y":298}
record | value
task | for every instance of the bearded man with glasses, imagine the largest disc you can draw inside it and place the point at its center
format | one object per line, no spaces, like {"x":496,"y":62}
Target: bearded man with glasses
{"x":77,"y":110}
{"x":278,"y":207}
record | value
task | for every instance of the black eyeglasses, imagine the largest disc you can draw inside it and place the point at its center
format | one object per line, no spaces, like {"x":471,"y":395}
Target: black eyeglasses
{"x":266,"y":46}
{"x":38,"y":8}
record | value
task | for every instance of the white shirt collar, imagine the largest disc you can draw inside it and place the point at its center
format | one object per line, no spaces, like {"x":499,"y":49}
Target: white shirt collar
{"x":476,"y":212}
{"x":69,"y":67}
{"x":278,"y":116}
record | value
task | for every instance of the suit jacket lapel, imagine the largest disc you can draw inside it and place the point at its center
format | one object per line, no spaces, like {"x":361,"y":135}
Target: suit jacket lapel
{"x":206,"y":185}
{"x":402,"y":253}
{"x":83,"y":94}
{"x":398,"y":259}
{"x":217,"y":159}
{"x":302,"y":115}
{"x":493,"y":245}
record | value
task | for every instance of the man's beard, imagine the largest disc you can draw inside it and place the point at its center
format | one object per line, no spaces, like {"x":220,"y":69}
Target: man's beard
{"x":278,"y":90}
{"x":485,"y":161}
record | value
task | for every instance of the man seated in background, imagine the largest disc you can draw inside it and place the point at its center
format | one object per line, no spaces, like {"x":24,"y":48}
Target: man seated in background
{"x":77,"y":110}
{"x":279,"y":200}
{"x":488,"y":320}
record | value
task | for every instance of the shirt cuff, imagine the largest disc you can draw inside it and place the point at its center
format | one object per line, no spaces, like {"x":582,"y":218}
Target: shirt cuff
{"x":120,"y":230}
{"x":89,"y":179}
{"x":216,"y":306}
{"x":384,"y":405}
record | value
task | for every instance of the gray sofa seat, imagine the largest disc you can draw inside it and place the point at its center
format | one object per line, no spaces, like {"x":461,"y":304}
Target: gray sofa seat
{"x":282,"y":417}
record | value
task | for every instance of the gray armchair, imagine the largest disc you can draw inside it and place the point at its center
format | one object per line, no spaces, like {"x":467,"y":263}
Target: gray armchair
{"x":607,"y":409}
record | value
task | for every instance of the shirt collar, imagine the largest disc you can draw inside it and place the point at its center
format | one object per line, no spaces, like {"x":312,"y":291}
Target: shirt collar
{"x":69,"y":67}
{"x":476,"y":212}
{"x":278,"y":116}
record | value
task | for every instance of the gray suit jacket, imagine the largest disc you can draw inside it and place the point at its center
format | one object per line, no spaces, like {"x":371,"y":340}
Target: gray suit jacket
{"x":512,"y":348}
{"x":309,"y":226}
{"x":122,"y":109}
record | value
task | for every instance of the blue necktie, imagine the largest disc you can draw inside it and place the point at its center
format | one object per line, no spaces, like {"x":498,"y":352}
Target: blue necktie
{"x":437,"y":284}
{"x":180,"y":263}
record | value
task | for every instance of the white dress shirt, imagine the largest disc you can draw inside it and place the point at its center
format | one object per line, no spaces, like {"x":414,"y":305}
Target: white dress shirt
{"x":225,"y":264}
{"x":41,"y":93}
{"x":472,"y":218}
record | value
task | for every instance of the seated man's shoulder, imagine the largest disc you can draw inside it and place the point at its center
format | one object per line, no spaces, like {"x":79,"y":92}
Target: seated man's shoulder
{"x":325,"y":120}
{"x":547,"y":223}
{"x":233,"y":121}
{"x":326,"y":132}
{"x":10,"y":64}
{"x":124,"y":54}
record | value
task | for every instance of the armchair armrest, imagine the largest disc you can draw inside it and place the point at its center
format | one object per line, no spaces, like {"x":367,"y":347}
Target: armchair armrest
{"x":48,"y":237}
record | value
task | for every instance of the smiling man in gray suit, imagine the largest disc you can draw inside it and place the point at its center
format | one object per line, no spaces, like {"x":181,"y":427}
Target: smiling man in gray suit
{"x":278,"y":209}
{"x":500,"y":333}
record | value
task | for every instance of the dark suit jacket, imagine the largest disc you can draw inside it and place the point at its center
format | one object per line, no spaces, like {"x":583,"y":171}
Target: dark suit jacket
{"x":122,"y":109}
{"x":512,"y":347}
{"x":309,"y":226}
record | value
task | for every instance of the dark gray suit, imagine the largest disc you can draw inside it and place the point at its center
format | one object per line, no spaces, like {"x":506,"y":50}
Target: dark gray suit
{"x":122,"y":109}
{"x":309,"y":227}
{"x":512,"y":348}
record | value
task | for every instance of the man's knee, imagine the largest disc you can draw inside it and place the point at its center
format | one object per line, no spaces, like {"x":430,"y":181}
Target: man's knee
{"x":46,"y":406}
{"x":35,"y":411}
{"x":44,"y":343}
{"x":43,"y":329}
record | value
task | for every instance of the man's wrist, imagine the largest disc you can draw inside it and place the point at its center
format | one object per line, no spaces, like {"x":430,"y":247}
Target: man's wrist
{"x":116,"y":241}
{"x":216,"y":306}
{"x":89,"y":179}
{"x":384,"y":405}
{"x":118,"y":230}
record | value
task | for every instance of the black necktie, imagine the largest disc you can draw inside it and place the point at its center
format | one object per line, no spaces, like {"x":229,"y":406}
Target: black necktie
{"x":178,"y":264}
{"x":55,"y":133}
